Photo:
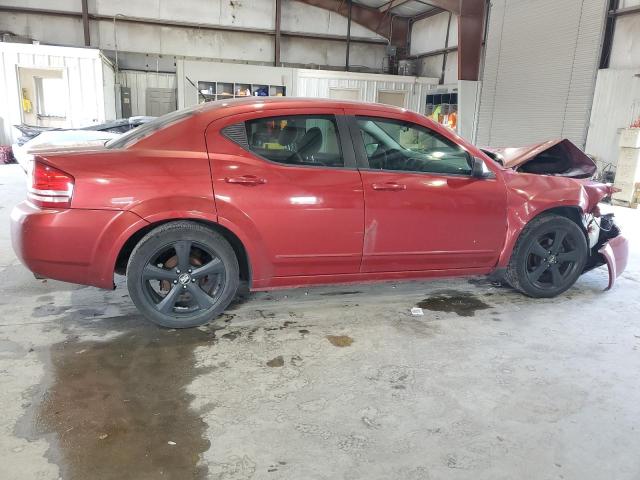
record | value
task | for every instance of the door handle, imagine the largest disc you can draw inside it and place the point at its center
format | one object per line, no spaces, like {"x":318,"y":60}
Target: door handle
{"x":249,"y":180}
{"x":389,"y":186}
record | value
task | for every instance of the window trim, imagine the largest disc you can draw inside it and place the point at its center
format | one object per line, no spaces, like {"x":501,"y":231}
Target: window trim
{"x":343,"y":131}
{"x":363,"y":159}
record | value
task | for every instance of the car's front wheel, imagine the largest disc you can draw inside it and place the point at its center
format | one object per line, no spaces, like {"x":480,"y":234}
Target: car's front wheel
{"x":548,"y":258}
{"x":182,"y":274}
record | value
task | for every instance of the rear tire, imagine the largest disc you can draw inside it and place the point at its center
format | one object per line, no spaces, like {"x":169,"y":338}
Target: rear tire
{"x":548,"y":258}
{"x":182,"y":274}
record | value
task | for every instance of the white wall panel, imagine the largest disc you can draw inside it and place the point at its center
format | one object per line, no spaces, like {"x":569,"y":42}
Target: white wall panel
{"x":318,"y":84}
{"x":253,"y":14}
{"x":300,"y":17}
{"x":429,"y":34}
{"x":539,"y":71}
{"x":309,"y":52}
{"x":52,"y":30}
{"x":451,"y":68}
{"x":625,"y":52}
{"x":617,"y":92}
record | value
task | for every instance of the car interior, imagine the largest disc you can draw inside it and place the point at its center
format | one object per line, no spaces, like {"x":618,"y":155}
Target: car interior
{"x":392,"y":146}
{"x":305,"y":140}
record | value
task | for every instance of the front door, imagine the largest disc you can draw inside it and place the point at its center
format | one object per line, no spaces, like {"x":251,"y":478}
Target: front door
{"x":423,"y":210}
{"x":289,"y":181}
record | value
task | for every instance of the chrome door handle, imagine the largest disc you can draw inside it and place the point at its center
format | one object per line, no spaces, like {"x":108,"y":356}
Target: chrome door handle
{"x":249,"y":180}
{"x":389,"y":186}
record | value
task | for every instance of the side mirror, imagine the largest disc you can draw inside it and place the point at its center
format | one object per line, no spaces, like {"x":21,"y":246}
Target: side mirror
{"x":479,"y":169}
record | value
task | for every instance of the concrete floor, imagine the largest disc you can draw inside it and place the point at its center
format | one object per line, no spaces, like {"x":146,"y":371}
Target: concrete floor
{"x":322,"y":383}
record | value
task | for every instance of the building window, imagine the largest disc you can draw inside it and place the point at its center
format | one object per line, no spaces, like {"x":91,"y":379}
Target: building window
{"x":51,"y":96}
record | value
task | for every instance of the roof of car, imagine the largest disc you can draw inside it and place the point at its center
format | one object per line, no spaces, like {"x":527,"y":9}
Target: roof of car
{"x":296,"y":102}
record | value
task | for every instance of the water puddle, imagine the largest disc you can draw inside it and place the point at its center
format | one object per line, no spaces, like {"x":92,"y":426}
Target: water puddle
{"x":340,"y":340}
{"x":119,"y":408}
{"x":464,"y":304}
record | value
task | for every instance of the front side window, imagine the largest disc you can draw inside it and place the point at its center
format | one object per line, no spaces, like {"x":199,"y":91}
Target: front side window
{"x":310,"y":140}
{"x":397,"y":145}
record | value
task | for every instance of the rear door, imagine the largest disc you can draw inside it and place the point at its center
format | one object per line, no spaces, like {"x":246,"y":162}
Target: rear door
{"x":423,"y":209}
{"x":289,"y":181}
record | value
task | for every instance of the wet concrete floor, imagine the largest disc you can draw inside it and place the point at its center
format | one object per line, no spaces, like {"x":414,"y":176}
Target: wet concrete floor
{"x":119,"y":408}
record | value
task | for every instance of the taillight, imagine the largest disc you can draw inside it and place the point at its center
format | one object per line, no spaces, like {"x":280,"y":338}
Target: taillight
{"x":50,"y":187}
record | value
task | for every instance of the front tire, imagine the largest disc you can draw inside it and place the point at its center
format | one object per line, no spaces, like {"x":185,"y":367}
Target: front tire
{"x":548,"y":258}
{"x":182,"y":274}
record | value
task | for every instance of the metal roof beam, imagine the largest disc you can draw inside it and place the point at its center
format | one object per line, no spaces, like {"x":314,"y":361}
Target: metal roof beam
{"x":392,"y":4}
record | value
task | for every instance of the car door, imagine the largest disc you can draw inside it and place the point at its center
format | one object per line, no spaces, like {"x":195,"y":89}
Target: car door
{"x":289,"y":181}
{"x":423,"y":209}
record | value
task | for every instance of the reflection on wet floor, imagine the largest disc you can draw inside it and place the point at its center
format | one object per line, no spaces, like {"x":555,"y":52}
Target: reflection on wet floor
{"x":119,"y":408}
{"x":464,"y":304}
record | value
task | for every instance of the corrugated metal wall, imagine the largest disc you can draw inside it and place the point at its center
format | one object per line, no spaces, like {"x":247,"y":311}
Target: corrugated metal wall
{"x":539,"y":72}
{"x":139,"y":82}
{"x":312,"y":83}
{"x":83,"y":71}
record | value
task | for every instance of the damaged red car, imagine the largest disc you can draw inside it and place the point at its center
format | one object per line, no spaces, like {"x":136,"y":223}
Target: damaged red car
{"x":288,"y":192}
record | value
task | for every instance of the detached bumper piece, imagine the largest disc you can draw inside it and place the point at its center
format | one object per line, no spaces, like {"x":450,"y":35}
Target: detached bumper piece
{"x":613,"y":247}
{"x":616,"y":254}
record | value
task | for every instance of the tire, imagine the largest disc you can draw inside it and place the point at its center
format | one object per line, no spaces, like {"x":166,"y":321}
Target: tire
{"x":182,"y":274}
{"x":548,"y":258}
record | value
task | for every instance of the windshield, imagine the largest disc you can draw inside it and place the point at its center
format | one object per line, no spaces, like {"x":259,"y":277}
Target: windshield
{"x":132,"y":136}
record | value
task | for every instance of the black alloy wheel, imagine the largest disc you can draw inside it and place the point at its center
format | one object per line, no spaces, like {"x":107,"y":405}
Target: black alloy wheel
{"x":549,"y":256}
{"x":182,"y":274}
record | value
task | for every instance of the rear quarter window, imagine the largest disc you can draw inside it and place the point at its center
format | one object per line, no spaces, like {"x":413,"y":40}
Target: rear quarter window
{"x":310,"y":140}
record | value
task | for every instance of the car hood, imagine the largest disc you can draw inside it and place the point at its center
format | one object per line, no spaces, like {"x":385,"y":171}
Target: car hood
{"x":554,"y":157}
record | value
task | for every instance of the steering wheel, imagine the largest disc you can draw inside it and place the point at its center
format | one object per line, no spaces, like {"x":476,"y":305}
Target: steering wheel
{"x":391,"y":155}
{"x":298,"y":159}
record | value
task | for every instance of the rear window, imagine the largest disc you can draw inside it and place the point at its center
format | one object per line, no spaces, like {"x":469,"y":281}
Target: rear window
{"x":310,"y":140}
{"x":133,"y":136}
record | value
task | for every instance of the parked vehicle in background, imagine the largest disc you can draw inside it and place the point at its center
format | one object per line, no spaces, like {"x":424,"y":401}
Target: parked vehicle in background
{"x":121,"y":125}
{"x":45,"y":141}
{"x":284,"y":192}
{"x":35,"y":139}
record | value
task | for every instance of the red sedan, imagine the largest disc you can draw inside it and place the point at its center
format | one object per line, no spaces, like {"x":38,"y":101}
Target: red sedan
{"x":288,"y":192}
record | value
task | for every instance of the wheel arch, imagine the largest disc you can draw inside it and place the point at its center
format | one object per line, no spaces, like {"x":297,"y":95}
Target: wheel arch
{"x":238,"y":247}
{"x":572,"y":212}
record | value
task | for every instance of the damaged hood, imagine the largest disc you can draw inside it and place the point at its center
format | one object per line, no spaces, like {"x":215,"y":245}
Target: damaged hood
{"x":554,"y":157}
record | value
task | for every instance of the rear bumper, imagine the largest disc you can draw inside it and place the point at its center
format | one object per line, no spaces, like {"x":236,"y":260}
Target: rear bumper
{"x":73,"y":245}
{"x":616,"y":255}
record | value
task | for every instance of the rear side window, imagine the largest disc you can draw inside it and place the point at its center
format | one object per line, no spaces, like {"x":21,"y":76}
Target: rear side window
{"x":310,"y":140}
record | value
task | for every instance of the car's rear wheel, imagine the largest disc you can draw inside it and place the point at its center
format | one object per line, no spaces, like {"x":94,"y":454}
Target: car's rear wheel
{"x":548,"y":258}
{"x":182,"y":274}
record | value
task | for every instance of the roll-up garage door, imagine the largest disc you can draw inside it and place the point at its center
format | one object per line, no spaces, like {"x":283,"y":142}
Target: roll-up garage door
{"x":539,"y":72}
